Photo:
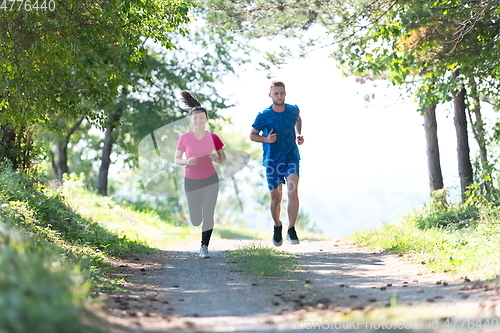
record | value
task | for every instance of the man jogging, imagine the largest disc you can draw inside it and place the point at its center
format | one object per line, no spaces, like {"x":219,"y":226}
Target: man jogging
{"x":280,"y":126}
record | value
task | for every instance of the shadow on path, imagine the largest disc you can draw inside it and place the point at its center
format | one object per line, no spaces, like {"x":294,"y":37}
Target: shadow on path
{"x":175,"y":290}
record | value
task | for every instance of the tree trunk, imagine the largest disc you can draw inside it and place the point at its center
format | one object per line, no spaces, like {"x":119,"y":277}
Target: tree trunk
{"x":480,"y":135}
{"x":59,"y":157}
{"x":109,"y":140}
{"x":463,"y":151}
{"x":433,"y":160}
{"x":16,"y":146}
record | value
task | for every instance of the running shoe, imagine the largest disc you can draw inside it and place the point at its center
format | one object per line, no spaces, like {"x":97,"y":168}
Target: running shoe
{"x":291,"y":236}
{"x":204,"y":252}
{"x":277,"y":237}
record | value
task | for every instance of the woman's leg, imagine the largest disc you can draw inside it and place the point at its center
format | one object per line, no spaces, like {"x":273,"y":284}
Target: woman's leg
{"x":194,"y":196}
{"x":210,"y":195}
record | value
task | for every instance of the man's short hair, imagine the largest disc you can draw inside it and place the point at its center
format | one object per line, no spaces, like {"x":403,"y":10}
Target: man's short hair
{"x":277,"y":84}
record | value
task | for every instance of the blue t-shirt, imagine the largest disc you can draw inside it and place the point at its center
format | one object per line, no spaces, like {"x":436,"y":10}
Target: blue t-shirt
{"x":285,"y":149}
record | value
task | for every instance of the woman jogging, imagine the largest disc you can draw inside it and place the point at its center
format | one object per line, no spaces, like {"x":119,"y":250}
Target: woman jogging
{"x":195,"y":151}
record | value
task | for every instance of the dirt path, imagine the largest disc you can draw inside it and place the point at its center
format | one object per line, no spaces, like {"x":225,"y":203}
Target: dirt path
{"x":176,"y":291}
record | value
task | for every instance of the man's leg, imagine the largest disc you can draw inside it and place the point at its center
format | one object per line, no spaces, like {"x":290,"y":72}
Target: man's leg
{"x":275,"y":183}
{"x":292,"y":182}
{"x":275,"y":213}
{"x":275,"y":205}
{"x":293,"y":207}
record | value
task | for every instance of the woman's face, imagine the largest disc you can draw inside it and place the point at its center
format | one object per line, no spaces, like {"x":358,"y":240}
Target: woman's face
{"x":198,"y":119}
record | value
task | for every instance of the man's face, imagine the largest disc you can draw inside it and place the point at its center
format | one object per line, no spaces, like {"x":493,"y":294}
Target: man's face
{"x":278,"y":94}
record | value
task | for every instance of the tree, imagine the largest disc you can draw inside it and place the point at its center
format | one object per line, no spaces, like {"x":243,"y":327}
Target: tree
{"x":109,"y":139}
{"x":59,"y":155}
{"x":479,"y":131}
{"x":416,"y":44}
{"x":460,"y":120}
{"x":201,"y":58}
{"x":54,"y":60}
{"x":433,"y":159}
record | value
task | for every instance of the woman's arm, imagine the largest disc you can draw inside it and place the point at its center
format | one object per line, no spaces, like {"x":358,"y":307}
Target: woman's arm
{"x":220,"y":157}
{"x":183,"y":162}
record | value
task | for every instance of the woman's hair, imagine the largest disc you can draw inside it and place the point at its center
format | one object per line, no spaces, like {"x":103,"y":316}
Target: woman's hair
{"x":191,"y":101}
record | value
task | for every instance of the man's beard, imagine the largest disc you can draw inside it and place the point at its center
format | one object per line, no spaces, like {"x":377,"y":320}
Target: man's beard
{"x":278,"y":104}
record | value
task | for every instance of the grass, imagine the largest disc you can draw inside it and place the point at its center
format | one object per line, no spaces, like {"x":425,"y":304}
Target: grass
{"x":41,"y":292}
{"x":55,"y":245}
{"x":472,"y":251}
{"x":145,"y":228}
{"x":258,"y":260}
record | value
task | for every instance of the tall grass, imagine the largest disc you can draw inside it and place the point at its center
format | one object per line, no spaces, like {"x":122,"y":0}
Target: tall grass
{"x":55,"y":245}
{"x":41,"y":291}
{"x":456,"y":238}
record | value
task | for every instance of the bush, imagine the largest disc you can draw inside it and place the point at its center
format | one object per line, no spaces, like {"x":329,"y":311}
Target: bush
{"x":439,"y":213}
{"x":41,"y":292}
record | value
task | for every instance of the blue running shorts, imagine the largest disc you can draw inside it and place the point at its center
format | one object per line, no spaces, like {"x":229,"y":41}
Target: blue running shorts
{"x":277,"y":174}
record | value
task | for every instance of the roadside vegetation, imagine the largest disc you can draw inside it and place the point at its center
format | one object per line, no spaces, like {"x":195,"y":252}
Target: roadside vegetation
{"x":56,"y":243}
{"x":459,"y":238}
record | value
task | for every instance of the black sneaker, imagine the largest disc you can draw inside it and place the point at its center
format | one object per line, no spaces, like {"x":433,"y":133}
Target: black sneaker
{"x":291,"y":236}
{"x":277,"y":237}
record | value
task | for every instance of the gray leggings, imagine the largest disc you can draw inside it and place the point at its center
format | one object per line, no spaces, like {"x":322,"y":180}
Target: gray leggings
{"x":201,"y":196}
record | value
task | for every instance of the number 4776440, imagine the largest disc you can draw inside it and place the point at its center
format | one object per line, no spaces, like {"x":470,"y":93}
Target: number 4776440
{"x":27,"y":5}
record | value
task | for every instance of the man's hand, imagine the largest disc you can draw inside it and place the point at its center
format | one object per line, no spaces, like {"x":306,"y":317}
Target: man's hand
{"x":272,"y":137}
{"x":300,"y":139}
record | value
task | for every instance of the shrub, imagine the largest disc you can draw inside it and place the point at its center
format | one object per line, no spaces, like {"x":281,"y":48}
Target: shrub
{"x":41,"y":292}
{"x":439,"y":213}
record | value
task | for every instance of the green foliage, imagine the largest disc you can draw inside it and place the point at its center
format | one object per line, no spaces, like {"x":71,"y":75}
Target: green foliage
{"x":438,"y":213}
{"x":81,"y":51}
{"x":41,"y":291}
{"x":263,"y":18}
{"x":454,"y":238}
{"x":71,"y":60}
{"x":46,"y":212}
{"x":55,"y":242}
{"x":143,"y":231}
{"x":44,"y":287}
{"x":261,"y":261}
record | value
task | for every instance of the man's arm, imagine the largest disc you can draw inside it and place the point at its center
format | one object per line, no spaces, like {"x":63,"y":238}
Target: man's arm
{"x":255,"y":136}
{"x":298,"y":126}
{"x":298,"y":129}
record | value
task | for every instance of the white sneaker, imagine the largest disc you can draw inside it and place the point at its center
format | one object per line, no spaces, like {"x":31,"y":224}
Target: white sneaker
{"x":204,"y":252}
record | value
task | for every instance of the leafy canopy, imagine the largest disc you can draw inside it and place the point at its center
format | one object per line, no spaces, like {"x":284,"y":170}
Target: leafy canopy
{"x":76,"y":56}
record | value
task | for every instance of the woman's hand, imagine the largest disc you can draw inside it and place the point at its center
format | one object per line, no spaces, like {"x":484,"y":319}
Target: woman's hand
{"x":191,"y":161}
{"x":215,"y":157}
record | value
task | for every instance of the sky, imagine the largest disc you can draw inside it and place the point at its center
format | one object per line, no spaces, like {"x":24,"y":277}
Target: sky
{"x":363,"y":163}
